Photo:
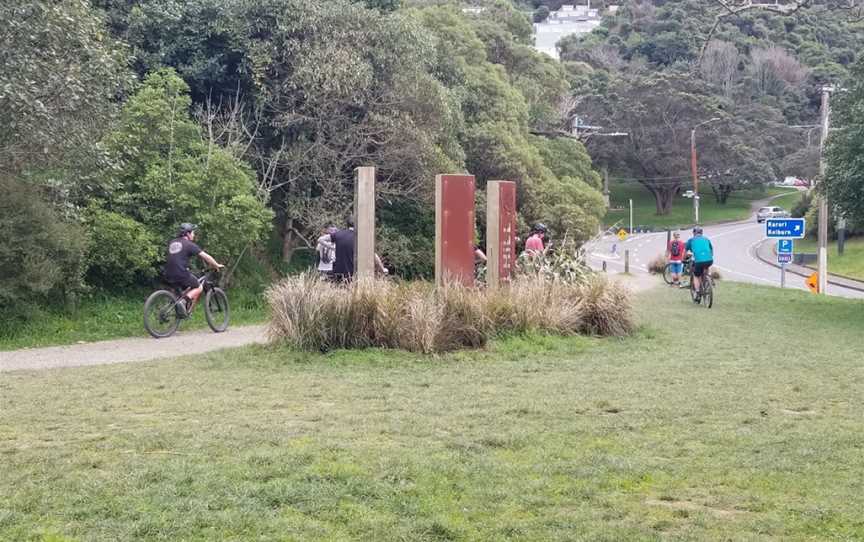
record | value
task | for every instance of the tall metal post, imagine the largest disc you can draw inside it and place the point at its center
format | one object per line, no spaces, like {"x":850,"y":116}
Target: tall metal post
{"x":823,"y":201}
{"x":631,"y":217}
{"x":693,"y":170}
{"x":606,"y":186}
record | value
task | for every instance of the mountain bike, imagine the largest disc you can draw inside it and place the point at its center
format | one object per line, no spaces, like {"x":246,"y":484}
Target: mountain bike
{"x":686,"y":271}
{"x":705,"y":295}
{"x":162,"y":313}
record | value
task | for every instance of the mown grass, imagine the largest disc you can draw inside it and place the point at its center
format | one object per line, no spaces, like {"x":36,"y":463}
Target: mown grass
{"x":102,"y":316}
{"x":644,"y":209}
{"x":737,"y":423}
{"x":850,"y":264}
{"x":787,"y":201}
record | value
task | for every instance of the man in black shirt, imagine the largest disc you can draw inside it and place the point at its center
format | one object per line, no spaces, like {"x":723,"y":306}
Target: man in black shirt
{"x":177,"y":273}
{"x":346,"y":248}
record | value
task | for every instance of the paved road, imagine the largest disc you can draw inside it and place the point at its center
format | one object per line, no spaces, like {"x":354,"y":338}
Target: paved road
{"x":734,"y":246}
{"x":129,"y":350}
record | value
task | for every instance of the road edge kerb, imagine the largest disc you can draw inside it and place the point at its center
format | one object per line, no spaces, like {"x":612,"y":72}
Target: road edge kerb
{"x":850,"y":284}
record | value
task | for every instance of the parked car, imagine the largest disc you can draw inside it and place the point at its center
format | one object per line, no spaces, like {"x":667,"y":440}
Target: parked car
{"x":688,"y":194}
{"x":771,"y":212}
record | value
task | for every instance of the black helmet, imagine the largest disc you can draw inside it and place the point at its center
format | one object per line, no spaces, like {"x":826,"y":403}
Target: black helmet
{"x":697,"y":230}
{"x":540,"y":227}
{"x":185,"y":228}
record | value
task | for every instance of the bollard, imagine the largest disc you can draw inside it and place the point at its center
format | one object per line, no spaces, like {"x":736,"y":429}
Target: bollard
{"x":627,"y":261}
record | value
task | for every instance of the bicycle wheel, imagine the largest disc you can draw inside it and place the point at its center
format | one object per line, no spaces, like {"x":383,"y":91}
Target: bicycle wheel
{"x":160,"y":314}
{"x":667,"y":273}
{"x":707,"y":291}
{"x":216,"y":310}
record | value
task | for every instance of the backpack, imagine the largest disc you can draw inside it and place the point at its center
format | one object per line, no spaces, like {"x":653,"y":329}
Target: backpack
{"x":325,"y":255}
{"x":675,"y":249}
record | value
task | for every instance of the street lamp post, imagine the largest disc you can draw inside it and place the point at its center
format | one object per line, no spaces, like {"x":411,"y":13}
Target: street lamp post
{"x":694,"y":168}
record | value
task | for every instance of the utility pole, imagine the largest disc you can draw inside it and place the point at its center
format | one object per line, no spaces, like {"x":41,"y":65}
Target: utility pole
{"x":631,"y":217}
{"x":694,"y":169}
{"x":606,"y":185}
{"x":695,"y":176}
{"x":823,"y":201}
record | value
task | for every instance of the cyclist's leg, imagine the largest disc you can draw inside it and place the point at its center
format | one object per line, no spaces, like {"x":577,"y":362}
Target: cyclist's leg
{"x":191,"y":290}
{"x":697,"y":278}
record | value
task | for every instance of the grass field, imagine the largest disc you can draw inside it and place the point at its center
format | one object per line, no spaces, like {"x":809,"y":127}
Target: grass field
{"x":108,"y":316}
{"x":850,"y":264}
{"x":644,"y":208}
{"x":748,"y":427}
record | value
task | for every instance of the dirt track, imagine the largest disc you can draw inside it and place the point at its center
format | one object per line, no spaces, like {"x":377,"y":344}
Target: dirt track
{"x":129,"y":350}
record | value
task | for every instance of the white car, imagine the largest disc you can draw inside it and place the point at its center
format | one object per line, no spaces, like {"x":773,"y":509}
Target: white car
{"x":688,"y":194}
{"x":771,"y":212}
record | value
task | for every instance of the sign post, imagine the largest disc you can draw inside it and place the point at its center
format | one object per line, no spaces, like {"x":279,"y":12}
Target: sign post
{"x":500,"y":232}
{"x":785,"y":228}
{"x":364,"y":222}
{"x":454,"y":229}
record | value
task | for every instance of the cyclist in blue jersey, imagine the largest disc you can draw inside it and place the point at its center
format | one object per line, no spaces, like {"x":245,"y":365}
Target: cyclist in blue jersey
{"x":702,"y":251}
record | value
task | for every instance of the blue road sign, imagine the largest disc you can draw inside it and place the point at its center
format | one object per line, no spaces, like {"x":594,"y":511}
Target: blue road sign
{"x":784,"y":257}
{"x":785,"y":228}
{"x":784,"y":246}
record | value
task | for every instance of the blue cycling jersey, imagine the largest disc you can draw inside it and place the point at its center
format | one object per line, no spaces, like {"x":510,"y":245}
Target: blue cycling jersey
{"x":701,"y":248}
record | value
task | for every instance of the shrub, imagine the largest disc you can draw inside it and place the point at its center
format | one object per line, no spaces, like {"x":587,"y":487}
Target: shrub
{"x":311,"y":314}
{"x":657,"y":266}
{"x":121,"y":249}
{"x":42,"y":256}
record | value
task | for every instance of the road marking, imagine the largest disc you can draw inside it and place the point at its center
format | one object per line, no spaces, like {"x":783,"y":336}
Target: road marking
{"x":721,"y":234}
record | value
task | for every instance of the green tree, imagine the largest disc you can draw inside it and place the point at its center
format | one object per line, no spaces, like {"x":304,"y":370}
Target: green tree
{"x":42,"y":255}
{"x":60,"y":76}
{"x":844,"y":176}
{"x":60,"y":72}
{"x":166,"y":174}
{"x":344,"y":86}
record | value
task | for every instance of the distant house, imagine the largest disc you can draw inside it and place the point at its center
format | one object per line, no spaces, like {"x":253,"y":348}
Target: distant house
{"x":566,"y":21}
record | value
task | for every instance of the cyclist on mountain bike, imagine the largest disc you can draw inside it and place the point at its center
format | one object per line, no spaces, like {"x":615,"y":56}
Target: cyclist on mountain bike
{"x":177,"y":271}
{"x":702,"y":250}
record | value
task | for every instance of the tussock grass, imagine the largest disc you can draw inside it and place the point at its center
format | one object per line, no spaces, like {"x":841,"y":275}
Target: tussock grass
{"x":657,"y":265}
{"x":311,"y":314}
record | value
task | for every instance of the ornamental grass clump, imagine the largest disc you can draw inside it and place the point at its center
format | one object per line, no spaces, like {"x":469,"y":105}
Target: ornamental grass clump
{"x":657,"y":266}
{"x":312,"y":314}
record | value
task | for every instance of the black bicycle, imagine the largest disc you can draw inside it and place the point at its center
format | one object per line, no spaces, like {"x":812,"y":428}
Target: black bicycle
{"x":687,"y":271}
{"x":705,"y":294}
{"x":163,"y":311}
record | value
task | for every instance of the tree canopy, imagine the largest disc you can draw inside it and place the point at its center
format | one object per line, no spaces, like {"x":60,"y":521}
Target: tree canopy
{"x":757,"y":68}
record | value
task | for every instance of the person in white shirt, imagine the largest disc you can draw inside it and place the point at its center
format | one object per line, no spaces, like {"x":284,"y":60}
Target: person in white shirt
{"x":326,"y":250}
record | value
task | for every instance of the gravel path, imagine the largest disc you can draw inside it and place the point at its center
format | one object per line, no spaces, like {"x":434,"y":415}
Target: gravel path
{"x":129,"y":350}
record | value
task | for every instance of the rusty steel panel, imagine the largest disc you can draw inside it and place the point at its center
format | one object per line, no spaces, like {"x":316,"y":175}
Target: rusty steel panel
{"x":454,"y":229}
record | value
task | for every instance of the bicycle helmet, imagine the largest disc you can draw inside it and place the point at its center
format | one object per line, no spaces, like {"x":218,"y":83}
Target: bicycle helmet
{"x":697,"y":230}
{"x":540,"y":227}
{"x":185,"y":228}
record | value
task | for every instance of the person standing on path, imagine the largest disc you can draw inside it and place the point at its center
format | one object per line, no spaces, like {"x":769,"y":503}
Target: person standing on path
{"x":326,"y":250}
{"x":345,"y":243}
{"x":675,"y":254}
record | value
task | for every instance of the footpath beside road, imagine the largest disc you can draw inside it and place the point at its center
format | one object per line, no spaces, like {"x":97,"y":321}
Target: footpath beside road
{"x":129,"y":350}
{"x":765,"y":252}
